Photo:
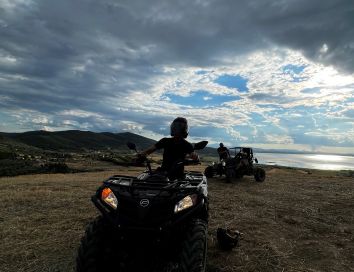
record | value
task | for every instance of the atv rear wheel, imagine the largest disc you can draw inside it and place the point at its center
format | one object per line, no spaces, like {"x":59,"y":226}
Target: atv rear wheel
{"x":259,"y":174}
{"x":95,"y":252}
{"x":209,"y":172}
{"x":194,"y":248}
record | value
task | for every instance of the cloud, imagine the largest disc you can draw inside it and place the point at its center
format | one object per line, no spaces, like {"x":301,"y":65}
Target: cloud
{"x":349,"y":113}
{"x":245,"y":68}
{"x":278,"y":139}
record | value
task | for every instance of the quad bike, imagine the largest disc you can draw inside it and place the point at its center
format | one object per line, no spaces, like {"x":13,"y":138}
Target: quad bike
{"x":148,"y":223}
{"x":215,"y":169}
{"x":236,"y":167}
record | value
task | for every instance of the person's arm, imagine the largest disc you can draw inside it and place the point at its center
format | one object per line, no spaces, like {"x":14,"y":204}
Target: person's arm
{"x":190,"y":151}
{"x":148,"y":151}
{"x":160,"y":144}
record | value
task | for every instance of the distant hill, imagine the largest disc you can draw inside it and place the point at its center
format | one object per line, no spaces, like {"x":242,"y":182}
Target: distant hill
{"x":76,"y":141}
{"x":8,"y":147}
{"x":35,"y":142}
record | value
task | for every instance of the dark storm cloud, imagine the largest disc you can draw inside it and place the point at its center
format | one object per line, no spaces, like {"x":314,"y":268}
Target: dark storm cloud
{"x":198,"y":32}
{"x":322,"y":30}
{"x":59,"y":55}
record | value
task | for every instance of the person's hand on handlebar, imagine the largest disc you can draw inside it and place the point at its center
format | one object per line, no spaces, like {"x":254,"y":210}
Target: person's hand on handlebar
{"x":140,"y":157}
{"x":194,"y":156}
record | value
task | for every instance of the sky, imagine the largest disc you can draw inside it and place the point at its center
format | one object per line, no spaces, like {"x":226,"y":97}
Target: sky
{"x":274,"y":74}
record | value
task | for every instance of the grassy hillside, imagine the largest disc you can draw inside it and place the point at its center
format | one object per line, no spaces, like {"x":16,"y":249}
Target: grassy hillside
{"x":76,"y":140}
{"x":43,"y":151}
{"x":295,"y":221}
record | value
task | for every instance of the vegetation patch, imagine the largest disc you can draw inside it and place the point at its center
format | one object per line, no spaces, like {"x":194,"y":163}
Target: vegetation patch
{"x":346,"y":173}
{"x":16,"y":167}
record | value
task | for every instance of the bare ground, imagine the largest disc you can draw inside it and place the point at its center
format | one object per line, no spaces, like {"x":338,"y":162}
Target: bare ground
{"x":297,"y":220}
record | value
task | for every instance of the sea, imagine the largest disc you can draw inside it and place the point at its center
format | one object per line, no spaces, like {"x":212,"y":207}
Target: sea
{"x":310,"y":161}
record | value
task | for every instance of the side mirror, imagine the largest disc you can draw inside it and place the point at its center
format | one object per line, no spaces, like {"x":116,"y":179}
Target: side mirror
{"x":200,"y":145}
{"x":131,"y":146}
{"x":255,"y":159}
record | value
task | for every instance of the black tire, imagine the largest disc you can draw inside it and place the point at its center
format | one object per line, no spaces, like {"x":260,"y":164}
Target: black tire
{"x":209,"y":172}
{"x":230,"y":174}
{"x":194,"y":248}
{"x":220,"y":169}
{"x":95,"y":252}
{"x":259,"y":174}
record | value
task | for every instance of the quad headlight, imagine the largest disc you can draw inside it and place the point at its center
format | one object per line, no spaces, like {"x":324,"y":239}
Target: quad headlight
{"x":109,"y":198}
{"x":186,"y":203}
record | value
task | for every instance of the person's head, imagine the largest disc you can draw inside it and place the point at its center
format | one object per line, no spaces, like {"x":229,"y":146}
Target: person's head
{"x":221,"y":145}
{"x":179,"y":127}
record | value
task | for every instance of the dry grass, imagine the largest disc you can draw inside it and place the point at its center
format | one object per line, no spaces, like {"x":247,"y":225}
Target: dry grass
{"x":294,"y":221}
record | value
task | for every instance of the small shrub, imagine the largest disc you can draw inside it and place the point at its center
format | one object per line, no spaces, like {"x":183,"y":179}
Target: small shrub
{"x":59,"y":167}
{"x":6,"y":155}
{"x":346,"y":173}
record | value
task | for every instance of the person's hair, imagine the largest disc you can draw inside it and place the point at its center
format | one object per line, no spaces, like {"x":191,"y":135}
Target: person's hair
{"x":221,"y":145}
{"x":179,"y":127}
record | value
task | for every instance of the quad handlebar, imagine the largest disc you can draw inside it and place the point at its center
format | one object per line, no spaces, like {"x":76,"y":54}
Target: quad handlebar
{"x":191,"y":162}
{"x":143,"y":158}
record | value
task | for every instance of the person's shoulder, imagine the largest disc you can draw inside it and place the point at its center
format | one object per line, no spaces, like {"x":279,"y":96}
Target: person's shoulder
{"x":162,"y":142}
{"x":167,"y":140}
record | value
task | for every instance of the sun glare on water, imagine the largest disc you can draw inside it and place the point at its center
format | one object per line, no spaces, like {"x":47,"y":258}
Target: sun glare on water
{"x":326,"y":158}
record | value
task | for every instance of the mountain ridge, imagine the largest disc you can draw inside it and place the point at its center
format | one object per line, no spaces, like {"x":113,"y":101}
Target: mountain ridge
{"x":76,"y":140}
{"x":79,"y":140}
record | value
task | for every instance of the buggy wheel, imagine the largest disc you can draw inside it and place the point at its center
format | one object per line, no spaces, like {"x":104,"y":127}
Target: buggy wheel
{"x":194,"y":248}
{"x":209,"y":172}
{"x":220,"y":169}
{"x":229,"y":173}
{"x":259,"y":174}
{"x":95,"y":252}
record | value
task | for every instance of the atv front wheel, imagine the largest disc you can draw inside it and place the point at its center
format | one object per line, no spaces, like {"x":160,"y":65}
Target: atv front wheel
{"x":194,"y":248}
{"x":95,"y":252}
{"x":209,"y":172}
{"x":259,"y":174}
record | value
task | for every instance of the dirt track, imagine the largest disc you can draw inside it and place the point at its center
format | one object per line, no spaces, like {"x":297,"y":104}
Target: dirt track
{"x":295,"y":221}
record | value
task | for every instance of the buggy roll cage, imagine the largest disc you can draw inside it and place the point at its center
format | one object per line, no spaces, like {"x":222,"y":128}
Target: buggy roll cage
{"x":247,"y":150}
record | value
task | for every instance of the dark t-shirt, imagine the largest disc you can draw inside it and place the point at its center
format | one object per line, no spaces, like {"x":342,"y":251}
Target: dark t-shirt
{"x":174,"y":150}
{"x":223,"y":152}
